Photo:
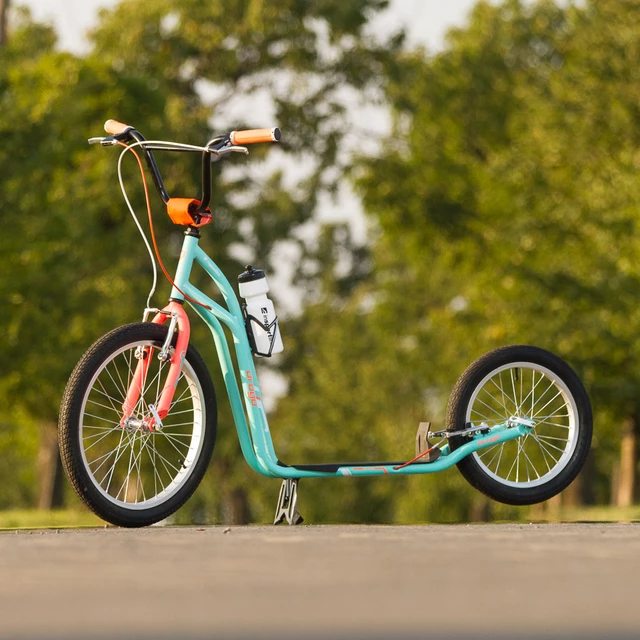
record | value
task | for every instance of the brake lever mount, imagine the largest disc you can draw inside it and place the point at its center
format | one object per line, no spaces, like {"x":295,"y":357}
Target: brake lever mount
{"x":224,"y":150}
{"x":104,"y":141}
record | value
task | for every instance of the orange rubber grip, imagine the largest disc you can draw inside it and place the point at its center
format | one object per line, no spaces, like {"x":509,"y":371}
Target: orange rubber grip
{"x":114,"y":127}
{"x":252,"y":136}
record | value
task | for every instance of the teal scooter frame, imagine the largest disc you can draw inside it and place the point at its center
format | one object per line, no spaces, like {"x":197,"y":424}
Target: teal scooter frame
{"x":253,"y":428}
{"x":135,"y":421}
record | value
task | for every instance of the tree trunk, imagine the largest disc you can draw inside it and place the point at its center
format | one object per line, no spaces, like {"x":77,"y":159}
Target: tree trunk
{"x":581,"y":491}
{"x":50,"y":475}
{"x":615,"y":484}
{"x":240,"y":513}
{"x":572,"y":495}
{"x":4,"y":5}
{"x":479,"y":509}
{"x":628,"y":462}
{"x":553,"y":507}
{"x":588,"y":474}
{"x":234,"y":503}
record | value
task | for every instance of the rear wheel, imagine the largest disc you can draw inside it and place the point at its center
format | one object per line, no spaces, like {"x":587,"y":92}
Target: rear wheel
{"x":533,"y":384}
{"x":133,"y":476}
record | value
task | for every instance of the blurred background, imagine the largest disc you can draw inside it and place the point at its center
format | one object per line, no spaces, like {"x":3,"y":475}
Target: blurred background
{"x":450,"y":179}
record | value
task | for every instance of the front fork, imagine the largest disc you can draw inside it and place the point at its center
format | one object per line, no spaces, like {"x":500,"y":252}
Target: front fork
{"x":178,"y":319}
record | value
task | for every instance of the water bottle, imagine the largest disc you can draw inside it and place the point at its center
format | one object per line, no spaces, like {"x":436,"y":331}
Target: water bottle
{"x":262,"y":322}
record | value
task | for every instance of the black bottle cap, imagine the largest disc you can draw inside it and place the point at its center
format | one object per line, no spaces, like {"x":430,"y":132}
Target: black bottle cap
{"x":251,"y":274}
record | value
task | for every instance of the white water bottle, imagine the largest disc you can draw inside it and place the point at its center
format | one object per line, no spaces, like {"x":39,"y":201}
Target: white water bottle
{"x":262,"y":322}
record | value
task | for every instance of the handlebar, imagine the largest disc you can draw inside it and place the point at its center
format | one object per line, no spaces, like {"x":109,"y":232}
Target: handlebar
{"x":217,"y":146}
{"x":114,"y":127}
{"x":251,"y":136}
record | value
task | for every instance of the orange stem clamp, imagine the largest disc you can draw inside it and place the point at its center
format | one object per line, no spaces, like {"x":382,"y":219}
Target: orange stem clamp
{"x":184,"y":211}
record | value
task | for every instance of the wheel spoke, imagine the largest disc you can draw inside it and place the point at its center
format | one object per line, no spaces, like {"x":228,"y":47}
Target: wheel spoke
{"x":126,"y":491}
{"x":498,"y":449}
{"x":533,"y":417}
{"x":128,"y":464}
{"x":165,"y":462}
{"x":486,"y":405}
{"x":504,"y":394}
{"x":554,"y":415}
{"x":544,"y":446}
{"x":179,"y":398}
{"x":554,"y":424}
{"x":553,"y":446}
{"x":485,"y":417}
{"x":156,"y":475}
{"x":104,"y":406}
{"x":527,"y":459}
{"x":544,"y":454}
{"x":175,"y":413}
{"x":101,"y":437}
{"x":501,"y":403}
{"x":115,"y":462}
{"x":104,"y":459}
{"x":488,"y":450}
{"x":521,"y":401}
{"x":500,"y":457}
{"x":178,"y":424}
{"x":535,"y":393}
{"x":513,"y":386}
{"x":165,"y":431}
{"x":546,"y":437}
{"x":91,"y":415}
{"x":109,"y":398}
{"x":123,"y":388}
{"x":171,"y":442}
{"x":513,"y":465}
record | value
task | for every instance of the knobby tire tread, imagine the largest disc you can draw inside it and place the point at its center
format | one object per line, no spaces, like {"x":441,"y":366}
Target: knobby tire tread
{"x":68,"y":427}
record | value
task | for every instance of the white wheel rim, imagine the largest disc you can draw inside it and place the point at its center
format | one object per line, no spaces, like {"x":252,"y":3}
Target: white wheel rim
{"x":525,"y":390}
{"x":158,"y":463}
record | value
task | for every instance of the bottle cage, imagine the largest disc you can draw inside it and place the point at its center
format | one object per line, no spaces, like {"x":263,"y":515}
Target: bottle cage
{"x":252,"y":342}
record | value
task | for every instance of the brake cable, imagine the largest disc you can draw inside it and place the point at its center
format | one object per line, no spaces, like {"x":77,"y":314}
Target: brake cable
{"x":151,"y":227}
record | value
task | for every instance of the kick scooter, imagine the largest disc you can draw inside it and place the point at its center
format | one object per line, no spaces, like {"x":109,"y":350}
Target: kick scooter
{"x":138,"y":418}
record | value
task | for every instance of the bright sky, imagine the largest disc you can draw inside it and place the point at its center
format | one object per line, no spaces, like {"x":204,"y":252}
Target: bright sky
{"x":426,"y":20}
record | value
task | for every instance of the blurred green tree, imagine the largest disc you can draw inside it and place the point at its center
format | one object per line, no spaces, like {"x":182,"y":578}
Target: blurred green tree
{"x":73,"y":263}
{"x":503,"y":209}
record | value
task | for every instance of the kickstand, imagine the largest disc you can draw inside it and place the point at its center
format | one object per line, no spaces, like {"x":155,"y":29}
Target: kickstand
{"x":287,"y":508}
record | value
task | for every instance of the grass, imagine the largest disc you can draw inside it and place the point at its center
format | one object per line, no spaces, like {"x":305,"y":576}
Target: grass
{"x":593,"y":514}
{"x":36,"y":519}
{"x":72,"y":519}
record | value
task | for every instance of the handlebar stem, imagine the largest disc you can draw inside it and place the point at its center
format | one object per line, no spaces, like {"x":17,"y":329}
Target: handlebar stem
{"x":206,"y":182}
{"x":151,"y":163}
{"x":212,"y":148}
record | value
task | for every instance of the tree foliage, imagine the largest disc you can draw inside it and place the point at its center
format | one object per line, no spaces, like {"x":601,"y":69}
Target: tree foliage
{"x":503,"y":210}
{"x":73,"y":265}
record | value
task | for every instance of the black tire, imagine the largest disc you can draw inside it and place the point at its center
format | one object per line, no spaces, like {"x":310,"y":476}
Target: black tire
{"x":89,"y":413}
{"x":481,"y":393}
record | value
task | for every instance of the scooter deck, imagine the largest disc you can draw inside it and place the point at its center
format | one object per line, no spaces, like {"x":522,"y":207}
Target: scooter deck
{"x":332,"y":467}
{"x":446,"y":459}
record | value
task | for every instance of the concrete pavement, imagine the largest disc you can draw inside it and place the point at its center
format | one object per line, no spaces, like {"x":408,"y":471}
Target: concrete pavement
{"x":504,"y":581}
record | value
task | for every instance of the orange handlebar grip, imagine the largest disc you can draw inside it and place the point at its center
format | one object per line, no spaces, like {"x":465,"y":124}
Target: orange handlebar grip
{"x":252,"y":136}
{"x":114,"y":127}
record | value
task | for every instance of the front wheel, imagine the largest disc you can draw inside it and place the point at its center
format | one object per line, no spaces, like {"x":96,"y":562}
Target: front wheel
{"x":125,"y":472}
{"x":522,"y":382}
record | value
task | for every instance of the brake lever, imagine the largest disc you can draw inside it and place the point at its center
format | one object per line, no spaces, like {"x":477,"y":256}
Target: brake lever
{"x":231,"y":149}
{"x":107,"y":141}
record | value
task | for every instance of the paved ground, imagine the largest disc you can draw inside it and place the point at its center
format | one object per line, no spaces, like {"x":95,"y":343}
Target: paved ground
{"x":485,"y":581}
